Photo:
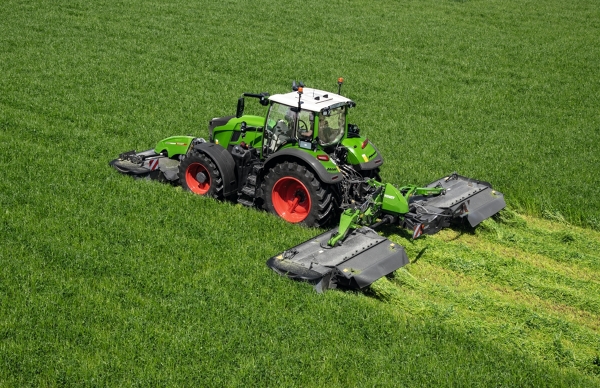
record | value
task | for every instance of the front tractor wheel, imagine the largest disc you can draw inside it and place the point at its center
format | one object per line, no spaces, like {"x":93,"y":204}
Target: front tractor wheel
{"x":198,"y":174}
{"x":294,"y":193}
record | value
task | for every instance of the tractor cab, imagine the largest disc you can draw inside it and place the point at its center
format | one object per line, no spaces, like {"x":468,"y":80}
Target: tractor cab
{"x":306,"y":117}
{"x":306,"y":124}
{"x":288,"y":125}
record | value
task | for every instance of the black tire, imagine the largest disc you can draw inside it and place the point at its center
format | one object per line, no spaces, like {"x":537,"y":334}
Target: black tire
{"x":198,"y":174}
{"x":294,"y":193}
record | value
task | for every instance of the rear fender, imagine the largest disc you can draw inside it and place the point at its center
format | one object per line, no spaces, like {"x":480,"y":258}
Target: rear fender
{"x":224,"y":162}
{"x":329,"y":174}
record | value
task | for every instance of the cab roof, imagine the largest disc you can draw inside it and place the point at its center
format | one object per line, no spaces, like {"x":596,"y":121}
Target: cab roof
{"x":312,"y":99}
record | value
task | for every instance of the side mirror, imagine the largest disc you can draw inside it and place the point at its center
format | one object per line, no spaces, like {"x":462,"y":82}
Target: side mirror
{"x":240,"y":108}
{"x":353,"y":130}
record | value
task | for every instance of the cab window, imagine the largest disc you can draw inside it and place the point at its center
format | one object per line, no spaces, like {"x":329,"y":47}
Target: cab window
{"x":332,"y":126}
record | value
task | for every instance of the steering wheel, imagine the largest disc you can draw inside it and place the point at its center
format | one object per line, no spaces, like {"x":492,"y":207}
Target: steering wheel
{"x":302,"y":125}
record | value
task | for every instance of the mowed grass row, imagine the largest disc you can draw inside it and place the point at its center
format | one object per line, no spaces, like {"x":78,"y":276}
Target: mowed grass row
{"x":151,"y":285}
{"x":521,"y":282}
{"x":109,"y":281}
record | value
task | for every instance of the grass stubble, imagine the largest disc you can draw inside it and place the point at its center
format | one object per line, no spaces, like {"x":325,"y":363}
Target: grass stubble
{"x":109,"y":281}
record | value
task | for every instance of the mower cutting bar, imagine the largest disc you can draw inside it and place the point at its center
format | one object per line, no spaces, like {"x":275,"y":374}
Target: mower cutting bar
{"x":363,"y":258}
{"x":465,"y":198}
{"x":145,"y":164}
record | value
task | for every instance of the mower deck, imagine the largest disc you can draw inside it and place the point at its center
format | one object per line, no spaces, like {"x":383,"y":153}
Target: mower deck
{"x":146,"y":164}
{"x":467,"y":198}
{"x":363,"y":258}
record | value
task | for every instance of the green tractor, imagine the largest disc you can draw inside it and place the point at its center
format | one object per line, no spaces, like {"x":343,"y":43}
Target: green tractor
{"x":305,"y":163}
{"x":290,"y":162}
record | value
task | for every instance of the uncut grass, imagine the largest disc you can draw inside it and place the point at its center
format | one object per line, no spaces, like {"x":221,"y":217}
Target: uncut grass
{"x":111,"y":280}
{"x":500,"y":91}
{"x":106,"y":280}
{"x":483,"y":285}
{"x":151,"y":285}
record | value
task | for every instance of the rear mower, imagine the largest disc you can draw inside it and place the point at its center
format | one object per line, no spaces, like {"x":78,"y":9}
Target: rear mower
{"x":353,"y":255}
{"x":305,"y":163}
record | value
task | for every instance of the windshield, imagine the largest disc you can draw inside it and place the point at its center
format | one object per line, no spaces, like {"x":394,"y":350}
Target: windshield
{"x":281,"y":123}
{"x":282,"y":118}
{"x":332,"y":126}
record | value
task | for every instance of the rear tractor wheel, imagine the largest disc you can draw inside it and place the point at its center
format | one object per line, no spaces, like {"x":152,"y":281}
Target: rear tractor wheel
{"x":294,"y":193}
{"x":198,"y":174}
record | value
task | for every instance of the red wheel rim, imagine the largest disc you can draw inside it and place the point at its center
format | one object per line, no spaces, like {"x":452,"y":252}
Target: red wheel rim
{"x":190,"y":178}
{"x":291,"y":199}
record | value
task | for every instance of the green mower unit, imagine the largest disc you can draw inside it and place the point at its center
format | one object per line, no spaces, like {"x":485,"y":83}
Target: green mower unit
{"x":353,"y":255}
{"x":305,"y":163}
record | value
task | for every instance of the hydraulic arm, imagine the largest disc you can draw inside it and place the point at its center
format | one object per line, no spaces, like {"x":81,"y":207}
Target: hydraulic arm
{"x":386,"y":204}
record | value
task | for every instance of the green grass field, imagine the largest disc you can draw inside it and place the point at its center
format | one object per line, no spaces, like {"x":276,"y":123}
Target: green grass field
{"x":108,"y":281}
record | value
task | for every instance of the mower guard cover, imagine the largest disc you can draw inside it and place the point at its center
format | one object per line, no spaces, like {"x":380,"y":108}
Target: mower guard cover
{"x":466,"y":198}
{"x":146,"y":164}
{"x":363,"y":258}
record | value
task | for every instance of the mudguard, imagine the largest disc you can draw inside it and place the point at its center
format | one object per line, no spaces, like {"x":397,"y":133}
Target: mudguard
{"x":324,"y":175}
{"x":362,"y":159}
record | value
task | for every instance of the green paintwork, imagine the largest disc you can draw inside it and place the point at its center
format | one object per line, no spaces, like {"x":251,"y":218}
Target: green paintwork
{"x":174,"y":145}
{"x":348,"y":221}
{"x":363,"y":214}
{"x":222,"y":135}
{"x":356,"y":154}
{"x":354,"y":218}
{"x":393,"y":200}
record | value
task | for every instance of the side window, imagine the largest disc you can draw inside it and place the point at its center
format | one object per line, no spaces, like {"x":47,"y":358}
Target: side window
{"x":277,"y":113}
{"x":280,"y":125}
{"x":332,"y":126}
